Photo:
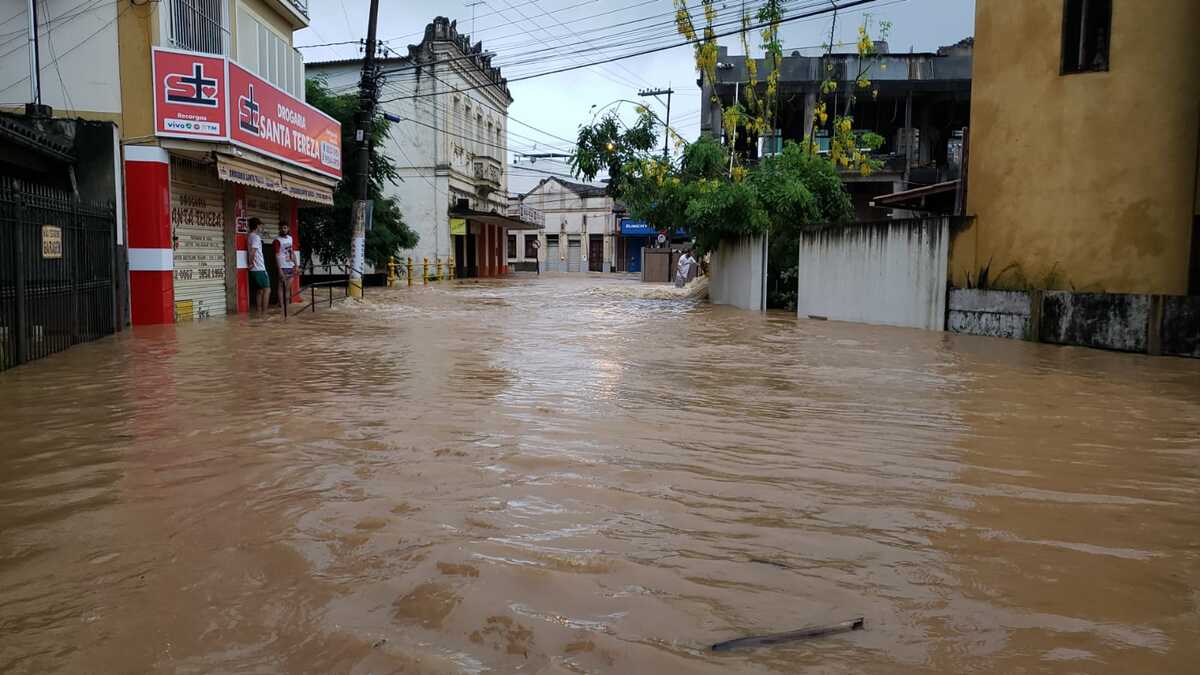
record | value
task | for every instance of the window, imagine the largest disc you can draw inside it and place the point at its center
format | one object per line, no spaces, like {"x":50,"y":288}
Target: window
{"x":512,"y":246}
{"x":1086,"y":28}
{"x":479,"y":149}
{"x":268,"y":55}
{"x":198,"y":25}
{"x":531,"y":246}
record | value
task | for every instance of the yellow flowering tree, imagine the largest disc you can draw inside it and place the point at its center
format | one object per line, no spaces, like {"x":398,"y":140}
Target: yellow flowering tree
{"x":849,"y":150}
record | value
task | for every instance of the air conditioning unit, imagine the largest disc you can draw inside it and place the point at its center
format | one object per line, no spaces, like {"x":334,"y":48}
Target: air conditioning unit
{"x":770,"y":143}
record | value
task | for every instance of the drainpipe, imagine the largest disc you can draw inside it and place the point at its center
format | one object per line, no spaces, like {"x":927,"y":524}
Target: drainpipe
{"x":908,"y":146}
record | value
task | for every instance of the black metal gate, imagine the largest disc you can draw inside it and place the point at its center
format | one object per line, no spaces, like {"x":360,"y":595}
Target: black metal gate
{"x":56,"y":271}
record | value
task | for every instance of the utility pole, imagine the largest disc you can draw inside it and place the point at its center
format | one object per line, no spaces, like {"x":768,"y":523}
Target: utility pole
{"x":667,"y":131}
{"x":35,"y":62}
{"x":368,"y":95}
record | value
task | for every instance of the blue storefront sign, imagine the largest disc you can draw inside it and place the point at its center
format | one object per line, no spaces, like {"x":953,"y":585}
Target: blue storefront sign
{"x":640,"y":228}
{"x":636,"y":228}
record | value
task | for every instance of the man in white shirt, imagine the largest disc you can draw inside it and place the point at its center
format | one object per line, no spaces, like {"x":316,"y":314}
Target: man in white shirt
{"x":259,"y":280}
{"x":684,"y":269}
{"x":288,"y":259}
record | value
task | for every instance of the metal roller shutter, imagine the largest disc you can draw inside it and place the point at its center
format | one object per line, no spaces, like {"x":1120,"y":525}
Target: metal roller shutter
{"x":264,"y":206}
{"x":198,"y":228}
{"x":553,"y":264}
{"x":574,"y":248}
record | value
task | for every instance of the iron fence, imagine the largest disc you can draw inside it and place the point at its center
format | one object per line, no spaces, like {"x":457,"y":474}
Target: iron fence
{"x":56,"y":271}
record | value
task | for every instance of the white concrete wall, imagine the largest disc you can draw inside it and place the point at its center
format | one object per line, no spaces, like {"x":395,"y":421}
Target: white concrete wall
{"x":882,"y":273}
{"x":738,"y":274}
{"x":77,"y":47}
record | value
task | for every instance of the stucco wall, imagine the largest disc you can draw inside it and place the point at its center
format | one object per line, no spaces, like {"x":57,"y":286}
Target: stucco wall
{"x":891,"y":273}
{"x":738,"y":274}
{"x":1092,"y":171}
{"x":1006,"y":314}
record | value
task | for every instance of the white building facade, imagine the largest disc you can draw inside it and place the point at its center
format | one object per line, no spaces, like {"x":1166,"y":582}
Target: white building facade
{"x":580,"y":228}
{"x":449,"y":145}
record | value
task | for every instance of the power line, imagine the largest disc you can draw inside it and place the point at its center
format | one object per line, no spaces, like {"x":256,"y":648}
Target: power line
{"x":833,"y":8}
{"x":505,"y":113}
{"x":601,"y":70}
{"x":554,"y":53}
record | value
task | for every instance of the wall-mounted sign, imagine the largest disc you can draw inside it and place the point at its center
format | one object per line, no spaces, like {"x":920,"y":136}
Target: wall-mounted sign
{"x":210,"y":98}
{"x":636,"y":228}
{"x":190,"y":95}
{"x":458,"y":226}
{"x":52,"y":246}
{"x":270,"y":121}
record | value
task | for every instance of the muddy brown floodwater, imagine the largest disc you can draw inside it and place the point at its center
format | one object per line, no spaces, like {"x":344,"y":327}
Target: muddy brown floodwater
{"x":556,"y":476}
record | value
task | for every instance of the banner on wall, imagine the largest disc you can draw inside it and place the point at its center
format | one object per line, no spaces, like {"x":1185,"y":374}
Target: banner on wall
{"x":210,"y":98}
{"x":270,"y":121}
{"x":190,"y":95}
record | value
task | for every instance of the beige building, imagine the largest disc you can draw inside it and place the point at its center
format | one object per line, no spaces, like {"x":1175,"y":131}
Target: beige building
{"x":580,"y":229}
{"x":1085,"y":119}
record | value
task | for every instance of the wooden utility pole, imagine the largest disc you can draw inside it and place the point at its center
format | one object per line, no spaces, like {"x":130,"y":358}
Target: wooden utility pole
{"x":368,"y":96}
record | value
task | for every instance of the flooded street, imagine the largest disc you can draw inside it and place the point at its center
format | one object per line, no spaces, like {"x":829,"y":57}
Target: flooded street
{"x":553,"y":475}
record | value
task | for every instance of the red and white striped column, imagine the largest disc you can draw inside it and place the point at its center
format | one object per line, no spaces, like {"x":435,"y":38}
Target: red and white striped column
{"x":151,"y":251}
{"x":241,"y":244}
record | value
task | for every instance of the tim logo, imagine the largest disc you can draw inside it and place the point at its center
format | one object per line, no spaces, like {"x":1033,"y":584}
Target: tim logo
{"x":194,"y":89}
{"x":248,"y":112}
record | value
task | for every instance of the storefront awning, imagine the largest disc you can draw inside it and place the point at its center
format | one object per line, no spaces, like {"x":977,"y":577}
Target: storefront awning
{"x":264,"y":177}
{"x":245,"y":173}
{"x":498,"y":219}
{"x":307,"y":190}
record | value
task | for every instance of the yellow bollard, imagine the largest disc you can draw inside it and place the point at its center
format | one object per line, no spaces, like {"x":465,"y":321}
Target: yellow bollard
{"x":408,"y":270}
{"x":391,"y":279}
{"x":438,"y":276}
{"x":425,"y":271}
{"x":450,"y":267}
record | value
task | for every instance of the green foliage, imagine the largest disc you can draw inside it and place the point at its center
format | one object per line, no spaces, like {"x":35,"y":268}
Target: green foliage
{"x":797,"y":188}
{"x":326,"y":231}
{"x":781,"y":195}
{"x":985,"y":281}
{"x":721,"y":209}
{"x":610,"y":146}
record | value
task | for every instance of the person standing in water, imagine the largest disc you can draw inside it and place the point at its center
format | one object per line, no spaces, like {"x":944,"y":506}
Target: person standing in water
{"x":286,"y":256}
{"x":258,"y":266}
{"x":684,"y":269}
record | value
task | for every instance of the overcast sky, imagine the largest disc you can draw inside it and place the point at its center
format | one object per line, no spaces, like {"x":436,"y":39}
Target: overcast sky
{"x":530,"y":37}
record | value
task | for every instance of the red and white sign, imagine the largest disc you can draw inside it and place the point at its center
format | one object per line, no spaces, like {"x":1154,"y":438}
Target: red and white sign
{"x":268,"y":120}
{"x":190,"y":95}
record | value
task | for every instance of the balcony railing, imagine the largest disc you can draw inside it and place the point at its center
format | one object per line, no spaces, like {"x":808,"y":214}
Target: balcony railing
{"x":527,"y":213}
{"x":300,"y":5}
{"x":488,"y":172}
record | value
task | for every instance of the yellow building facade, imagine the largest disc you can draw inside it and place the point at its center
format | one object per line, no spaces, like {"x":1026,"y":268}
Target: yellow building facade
{"x":1085,"y":127}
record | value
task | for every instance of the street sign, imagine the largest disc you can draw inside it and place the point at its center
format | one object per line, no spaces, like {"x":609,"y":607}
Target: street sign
{"x":52,"y":241}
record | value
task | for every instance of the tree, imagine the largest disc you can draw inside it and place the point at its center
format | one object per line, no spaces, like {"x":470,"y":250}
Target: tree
{"x":610,"y":146}
{"x":326,"y":230}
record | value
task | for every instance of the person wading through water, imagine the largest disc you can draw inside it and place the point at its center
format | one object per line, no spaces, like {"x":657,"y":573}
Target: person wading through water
{"x":684,"y":269}
{"x":285,"y":255}
{"x":258,"y":267}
